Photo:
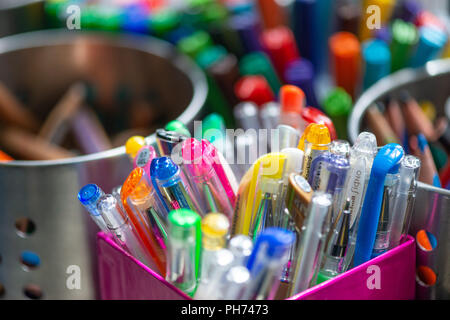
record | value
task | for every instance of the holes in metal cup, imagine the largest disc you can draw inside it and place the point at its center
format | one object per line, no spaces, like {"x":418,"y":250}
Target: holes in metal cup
{"x":25,"y":227}
{"x":33,"y":291}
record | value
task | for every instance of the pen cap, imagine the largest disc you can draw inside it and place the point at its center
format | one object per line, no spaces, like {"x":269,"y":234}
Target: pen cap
{"x":210,"y":55}
{"x":241,"y":246}
{"x":300,"y":73}
{"x":246,"y":115}
{"x":313,"y":115}
{"x":404,"y":37}
{"x":280,"y":44}
{"x":165,"y":170}
{"x":168,"y":140}
{"x":133,"y":145}
{"x":294,"y":161}
{"x":195,"y":43}
{"x":271,"y":244}
{"x":254,"y":89}
{"x":292,"y":99}
{"x":288,"y":137}
{"x":270,"y":115}
{"x":185,"y":225}
{"x":258,"y":63}
{"x":340,"y":147}
{"x":345,"y":59}
{"x":317,"y":136}
{"x":249,"y":29}
{"x":236,"y":282}
{"x":109,"y":208}
{"x":89,"y":196}
{"x":408,"y":173}
{"x":199,"y":165}
{"x":164,"y":21}
{"x":377,"y":61}
{"x":338,"y":105}
{"x":215,"y":227}
{"x":388,"y":159}
{"x":178,"y":126}
{"x":144,"y":158}
{"x":431,"y":41}
{"x":365,"y":145}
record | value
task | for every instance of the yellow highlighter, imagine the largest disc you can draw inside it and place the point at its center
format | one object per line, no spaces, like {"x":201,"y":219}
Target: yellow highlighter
{"x":314,"y":141}
{"x":376,"y":13}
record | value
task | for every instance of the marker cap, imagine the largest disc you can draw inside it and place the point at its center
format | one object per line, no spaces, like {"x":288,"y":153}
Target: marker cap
{"x":133,"y":145}
{"x":254,"y":89}
{"x":215,"y":227}
{"x":164,"y":21}
{"x":276,"y":242}
{"x":195,"y":43}
{"x":431,"y":41}
{"x":164,"y":168}
{"x":89,"y":196}
{"x":300,"y":73}
{"x":178,"y":126}
{"x":338,"y":105}
{"x":313,"y":115}
{"x":292,"y":99}
{"x":280,"y":44}
{"x":257,"y":63}
{"x":184,"y":223}
{"x":210,"y":55}
{"x":377,"y":59}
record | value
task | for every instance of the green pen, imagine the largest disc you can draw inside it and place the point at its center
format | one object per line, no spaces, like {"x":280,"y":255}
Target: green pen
{"x":195,"y":43}
{"x":337,"y":106}
{"x":53,"y":12}
{"x":214,"y":130}
{"x":257,"y":63}
{"x":184,"y":250}
{"x":178,"y":126}
{"x":404,"y":37}
{"x":215,"y":100}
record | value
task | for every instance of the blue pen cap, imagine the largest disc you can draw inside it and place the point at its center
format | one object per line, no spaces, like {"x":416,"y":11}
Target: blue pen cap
{"x":377,"y":60}
{"x":136,"y":19}
{"x":164,"y":169}
{"x":89,"y":196}
{"x":300,"y":73}
{"x":275,"y":241}
{"x":431,"y":41}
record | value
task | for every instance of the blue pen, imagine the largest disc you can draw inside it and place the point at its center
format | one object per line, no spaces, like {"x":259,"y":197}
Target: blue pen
{"x":304,"y":28}
{"x":176,"y":193}
{"x":386,"y":161}
{"x":377,"y":61}
{"x":136,"y":18}
{"x":266,"y":263}
{"x":249,"y":30}
{"x":300,"y":73}
{"x":431,"y":41}
{"x":89,"y":197}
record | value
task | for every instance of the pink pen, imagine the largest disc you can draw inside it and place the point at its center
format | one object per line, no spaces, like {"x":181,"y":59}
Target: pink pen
{"x":198,"y":160}
{"x":219,"y":163}
{"x":144,"y":158}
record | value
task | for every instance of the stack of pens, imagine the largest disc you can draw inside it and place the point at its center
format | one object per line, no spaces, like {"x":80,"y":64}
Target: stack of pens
{"x":299,"y":216}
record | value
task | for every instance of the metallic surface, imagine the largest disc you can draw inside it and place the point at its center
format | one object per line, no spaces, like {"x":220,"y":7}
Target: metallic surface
{"x":17,"y":16}
{"x":432,"y":205}
{"x":41,"y":66}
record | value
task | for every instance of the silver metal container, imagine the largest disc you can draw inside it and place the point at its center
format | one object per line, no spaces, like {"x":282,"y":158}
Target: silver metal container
{"x":432,"y":205}
{"x":41,"y":66}
{"x":17,"y":16}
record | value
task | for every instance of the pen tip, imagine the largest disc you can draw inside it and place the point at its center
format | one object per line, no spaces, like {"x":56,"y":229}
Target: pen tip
{"x":347,"y":204}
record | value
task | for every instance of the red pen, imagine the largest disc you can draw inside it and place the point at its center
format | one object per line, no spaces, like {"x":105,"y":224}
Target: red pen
{"x":280,"y":45}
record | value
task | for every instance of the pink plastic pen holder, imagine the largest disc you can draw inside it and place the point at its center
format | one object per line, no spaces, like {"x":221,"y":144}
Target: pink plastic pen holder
{"x":390,"y":276}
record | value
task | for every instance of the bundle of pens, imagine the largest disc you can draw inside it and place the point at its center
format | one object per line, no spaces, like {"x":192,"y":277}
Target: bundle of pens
{"x":419,"y":129}
{"x":307,"y":211}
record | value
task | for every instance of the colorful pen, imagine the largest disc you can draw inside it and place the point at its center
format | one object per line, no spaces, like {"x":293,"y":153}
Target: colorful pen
{"x":89,"y":197}
{"x":241,"y":246}
{"x":184,"y":250}
{"x":386,"y":161}
{"x":267,"y":261}
{"x":292,"y":101}
{"x":133,"y":145}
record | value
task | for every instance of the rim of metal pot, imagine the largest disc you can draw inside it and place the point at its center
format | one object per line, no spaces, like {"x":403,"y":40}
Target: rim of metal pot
{"x":10,"y":4}
{"x":142,"y":43}
{"x":389,"y":83}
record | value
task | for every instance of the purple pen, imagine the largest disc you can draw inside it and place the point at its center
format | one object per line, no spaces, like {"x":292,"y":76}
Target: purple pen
{"x":300,"y":73}
{"x":249,"y":30}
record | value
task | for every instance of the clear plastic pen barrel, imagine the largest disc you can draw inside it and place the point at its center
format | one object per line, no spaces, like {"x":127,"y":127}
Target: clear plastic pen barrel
{"x":310,"y":248}
{"x":89,"y":196}
{"x":236,"y":282}
{"x":241,"y":246}
{"x":121,"y":229}
{"x":403,"y":202}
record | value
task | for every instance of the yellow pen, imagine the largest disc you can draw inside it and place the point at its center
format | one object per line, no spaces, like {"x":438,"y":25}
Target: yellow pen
{"x":267,"y":202}
{"x":314,"y":141}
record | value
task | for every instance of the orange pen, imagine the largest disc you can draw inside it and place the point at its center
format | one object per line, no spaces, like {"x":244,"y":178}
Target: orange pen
{"x":345,"y":53}
{"x":272,"y":14}
{"x":5,"y":157}
{"x":138,"y":186}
